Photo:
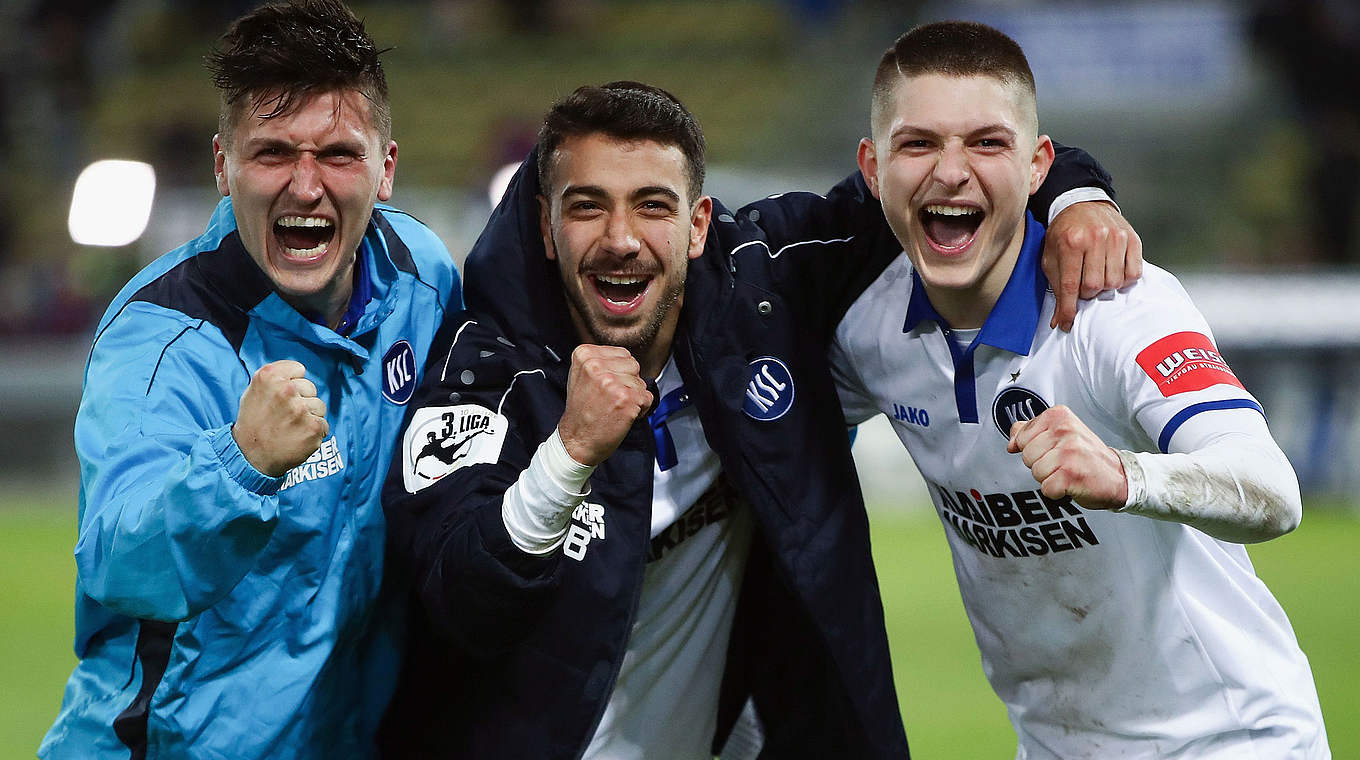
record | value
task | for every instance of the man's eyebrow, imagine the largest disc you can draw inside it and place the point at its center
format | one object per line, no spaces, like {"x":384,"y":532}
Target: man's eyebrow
{"x":650,"y":190}
{"x":269,"y":142}
{"x":993,"y":128}
{"x":590,"y":191}
{"x":344,"y":145}
{"x":597,"y":192}
{"x":337,"y":146}
{"x":912,"y":129}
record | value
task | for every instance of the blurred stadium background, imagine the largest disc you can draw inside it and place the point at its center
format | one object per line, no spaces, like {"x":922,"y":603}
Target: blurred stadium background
{"x":1232,"y":130}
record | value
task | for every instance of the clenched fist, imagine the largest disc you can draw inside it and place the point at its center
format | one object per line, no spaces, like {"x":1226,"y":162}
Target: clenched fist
{"x":1068,"y":459}
{"x":605,"y":396}
{"x":281,"y":421}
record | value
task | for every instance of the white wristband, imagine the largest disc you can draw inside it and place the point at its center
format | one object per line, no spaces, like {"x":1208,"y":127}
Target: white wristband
{"x":565,"y":471}
{"x":537,"y":509}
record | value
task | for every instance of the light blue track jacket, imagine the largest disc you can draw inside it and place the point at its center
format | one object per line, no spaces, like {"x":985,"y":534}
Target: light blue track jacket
{"x":221,"y":613}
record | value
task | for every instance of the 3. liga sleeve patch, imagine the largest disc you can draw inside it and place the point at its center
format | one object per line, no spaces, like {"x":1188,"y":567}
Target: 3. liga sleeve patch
{"x":1185,"y":361}
{"x":442,"y":439}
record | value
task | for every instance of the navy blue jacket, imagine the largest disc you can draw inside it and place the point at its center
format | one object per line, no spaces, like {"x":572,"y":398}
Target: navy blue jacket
{"x":516,"y":656}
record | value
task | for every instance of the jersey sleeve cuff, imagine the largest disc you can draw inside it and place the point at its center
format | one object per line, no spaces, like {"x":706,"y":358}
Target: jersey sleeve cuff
{"x":238,"y":467}
{"x":1136,"y":478}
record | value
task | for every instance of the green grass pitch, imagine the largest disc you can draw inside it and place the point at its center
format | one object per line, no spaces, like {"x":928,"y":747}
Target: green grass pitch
{"x":950,"y":711}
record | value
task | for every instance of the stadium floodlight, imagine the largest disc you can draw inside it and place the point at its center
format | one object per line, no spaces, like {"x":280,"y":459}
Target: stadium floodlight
{"x":111,"y":203}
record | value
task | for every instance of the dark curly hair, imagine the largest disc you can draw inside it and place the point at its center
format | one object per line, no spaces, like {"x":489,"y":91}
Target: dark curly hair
{"x":273,"y":57}
{"x":626,"y":111}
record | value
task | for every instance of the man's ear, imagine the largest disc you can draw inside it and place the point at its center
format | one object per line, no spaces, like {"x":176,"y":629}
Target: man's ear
{"x":389,"y":172}
{"x":698,"y":226}
{"x":545,"y":226}
{"x":220,"y":165}
{"x":1041,"y":163}
{"x":867,"y":158}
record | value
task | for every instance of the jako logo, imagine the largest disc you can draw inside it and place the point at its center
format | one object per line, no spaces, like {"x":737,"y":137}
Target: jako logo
{"x":1015,"y":405}
{"x":911,"y":415}
{"x":769,"y":393}
{"x":399,"y":373}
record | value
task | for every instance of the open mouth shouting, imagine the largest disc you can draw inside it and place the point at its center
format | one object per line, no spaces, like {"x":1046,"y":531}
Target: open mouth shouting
{"x":951,"y":229}
{"x":303,"y":238}
{"x":621,"y":293}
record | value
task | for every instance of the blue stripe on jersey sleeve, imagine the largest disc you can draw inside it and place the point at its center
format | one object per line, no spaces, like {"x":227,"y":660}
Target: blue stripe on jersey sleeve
{"x":1203,"y":406}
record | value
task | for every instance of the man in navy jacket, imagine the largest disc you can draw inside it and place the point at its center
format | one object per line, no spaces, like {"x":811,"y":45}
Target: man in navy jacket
{"x":624,"y":330}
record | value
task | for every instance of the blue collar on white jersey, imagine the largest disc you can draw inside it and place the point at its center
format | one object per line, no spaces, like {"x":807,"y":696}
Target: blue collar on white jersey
{"x":1014,"y":319}
{"x":1010,"y":326}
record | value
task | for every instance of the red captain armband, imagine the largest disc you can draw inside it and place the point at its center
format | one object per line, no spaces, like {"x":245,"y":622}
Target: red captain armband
{"x":1185,"y":361}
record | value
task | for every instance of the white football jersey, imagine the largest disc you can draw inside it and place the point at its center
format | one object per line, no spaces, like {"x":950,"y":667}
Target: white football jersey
{"x":1106,"y":634}
{"x":665,"y":702}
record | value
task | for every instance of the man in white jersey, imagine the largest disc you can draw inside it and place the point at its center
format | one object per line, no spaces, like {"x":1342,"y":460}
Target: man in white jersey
{"x":625,"y":500}
{"x":1095,"y":486}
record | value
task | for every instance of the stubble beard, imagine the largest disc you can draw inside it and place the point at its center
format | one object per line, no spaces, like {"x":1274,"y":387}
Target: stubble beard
{"x":637,"y":339}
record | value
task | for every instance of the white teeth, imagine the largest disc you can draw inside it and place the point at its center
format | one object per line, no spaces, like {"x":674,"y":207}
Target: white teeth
{"x":620,"y":279}
{"x":952,"y":210}
{"x":304,"y":253}
{"x":303,"y":221}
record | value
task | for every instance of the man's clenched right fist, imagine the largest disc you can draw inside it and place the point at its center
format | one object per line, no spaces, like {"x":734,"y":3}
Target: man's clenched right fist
{"x":605,"y":396}
{"x":281,"y":421}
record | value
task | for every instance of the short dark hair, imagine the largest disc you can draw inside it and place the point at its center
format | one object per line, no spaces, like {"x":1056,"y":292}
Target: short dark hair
{"x":625,"y":111}
{"x":954,"y":48}
{"x":278,"y":54}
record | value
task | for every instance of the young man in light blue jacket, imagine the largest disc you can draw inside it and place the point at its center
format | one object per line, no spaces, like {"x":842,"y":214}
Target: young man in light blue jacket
{"x":241,"y":403}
